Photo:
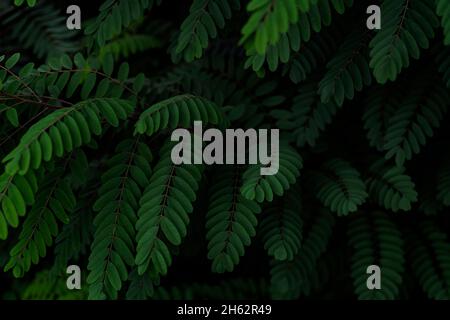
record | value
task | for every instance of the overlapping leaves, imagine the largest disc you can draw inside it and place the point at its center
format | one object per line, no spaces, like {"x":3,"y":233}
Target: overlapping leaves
{"x":407,"y":28}
{"x":113,"y":248}
{"x":181,"y":110}
{"x":264,"y":187}
{"x":164,"y":213}
{"x":64,"y":130}
{"x":339,"y":186}
{"x":376,"y":240}
{"x":230,"y":221}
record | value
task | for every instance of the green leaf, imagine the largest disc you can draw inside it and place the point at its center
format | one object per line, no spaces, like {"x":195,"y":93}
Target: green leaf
{"x":11,"y":115}
{"x":11,"y":61}
{"x":138,"y":82}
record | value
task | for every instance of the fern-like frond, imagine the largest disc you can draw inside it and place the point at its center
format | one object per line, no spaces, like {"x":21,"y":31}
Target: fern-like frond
{"x":220,"y":79}
{"x":290,"y":279}
{"x":113,"y":248}
{"x":407,"y":28}
{"x":90,"y":177}
{"x":415,"y":120}
{"x":348,"y":71}
{"x":281,"y":227}
{"x":268,"y":20}
{"x":429,"y":252}
{"x":129,"y":44}
{"x":64,"y":76}
{"x":16,"y":193}
{"x":41,"y":29}
{"x":230,"y":221}
{"x":202,"y":24}
{"x":141,"y":286}
{"x":115,"y":16}
{"x":339,"y":187}
{"x":181,"y":110}
{"x":263,"y":187}
{"x":273,"y":43}
{"x":390,"y":187}
{"x":64,"y":130}
{"x":376,"y":240}
{"x":380,"y":105}
{"x":54,"y":202}
{"x":310,"y":56}
{"x":74,"y":239}
{"x":277,"y":53}
{"x":308,"y":116}
{"x":164,"y":213}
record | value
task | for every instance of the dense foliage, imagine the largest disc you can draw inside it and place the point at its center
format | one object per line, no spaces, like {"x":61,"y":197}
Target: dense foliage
{"x":87,"y":179}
